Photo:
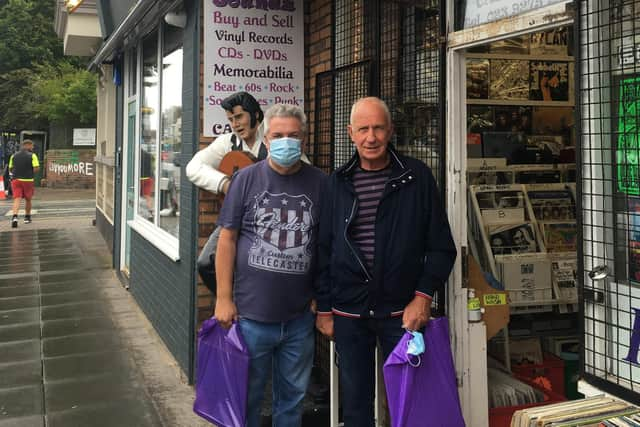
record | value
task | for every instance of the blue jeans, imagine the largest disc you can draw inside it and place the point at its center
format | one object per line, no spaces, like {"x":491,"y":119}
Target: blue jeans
{"x":355,"y":344}
{"x":286,"y":348}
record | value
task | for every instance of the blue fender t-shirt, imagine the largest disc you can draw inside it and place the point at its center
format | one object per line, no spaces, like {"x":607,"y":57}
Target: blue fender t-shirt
{"x":277,"y":218}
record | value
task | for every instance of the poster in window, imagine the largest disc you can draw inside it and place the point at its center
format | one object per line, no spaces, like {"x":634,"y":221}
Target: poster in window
{"x":514,"y":45}
{"x":552,"y":42}
{"x":513,"y":119}
{"x":509,"y":145}
{"x":628,"y":135}
{"x":552,"y":121}
{"x":634,"y":239}
{"x":509,"y":79}
{"x":479,"y":118}
{"x":549,"y":81}
{"x":477,"y":78}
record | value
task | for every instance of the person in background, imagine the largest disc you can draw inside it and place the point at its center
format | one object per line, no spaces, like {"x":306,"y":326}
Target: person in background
{"x":23,"y":166}
{"x":265,"y":265}
{"x":384,"y":248}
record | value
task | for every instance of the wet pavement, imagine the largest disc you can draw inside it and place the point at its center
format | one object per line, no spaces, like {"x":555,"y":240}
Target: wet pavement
{"x":75,"y":349}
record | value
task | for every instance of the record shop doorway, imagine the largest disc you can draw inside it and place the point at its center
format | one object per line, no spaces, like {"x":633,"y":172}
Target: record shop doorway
{"x":511,"y":169}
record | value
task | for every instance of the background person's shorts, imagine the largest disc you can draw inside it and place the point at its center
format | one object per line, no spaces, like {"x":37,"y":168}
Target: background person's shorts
{"x":22,"y":189}
{"x":146,"y":186}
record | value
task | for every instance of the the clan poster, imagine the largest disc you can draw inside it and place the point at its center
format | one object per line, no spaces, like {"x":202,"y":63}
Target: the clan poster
{"x":257,"y":47}
{"x":627,"y":132}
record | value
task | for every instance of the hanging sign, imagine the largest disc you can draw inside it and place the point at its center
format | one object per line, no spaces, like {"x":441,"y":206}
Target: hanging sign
{"x":253,"y":46}
{"x":479,"y":12}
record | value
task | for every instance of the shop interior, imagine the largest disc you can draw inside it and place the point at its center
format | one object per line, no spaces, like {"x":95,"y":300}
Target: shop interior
{"x":521,"y":176}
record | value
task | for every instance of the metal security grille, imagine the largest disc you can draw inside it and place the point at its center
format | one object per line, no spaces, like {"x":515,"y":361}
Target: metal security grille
{"x":609,"y":70}
{"x":388,"y":49}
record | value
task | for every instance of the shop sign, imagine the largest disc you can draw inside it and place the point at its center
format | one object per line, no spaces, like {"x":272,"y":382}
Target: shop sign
{"x":628,"y":128}
{"x":82,"y":137}
{"x":479,"y":12}
{"x":628,"y":55}
{"x":253,"y":46}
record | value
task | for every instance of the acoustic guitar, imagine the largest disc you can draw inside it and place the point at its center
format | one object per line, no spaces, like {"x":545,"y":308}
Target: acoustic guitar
{"x":233,"y":161}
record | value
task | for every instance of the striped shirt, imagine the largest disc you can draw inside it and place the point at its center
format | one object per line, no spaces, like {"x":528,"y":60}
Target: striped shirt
{"x":369,"y":186}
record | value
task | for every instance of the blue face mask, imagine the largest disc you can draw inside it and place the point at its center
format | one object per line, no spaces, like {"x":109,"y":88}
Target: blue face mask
{"x":285,"y":151}
{"x":415,"y":347}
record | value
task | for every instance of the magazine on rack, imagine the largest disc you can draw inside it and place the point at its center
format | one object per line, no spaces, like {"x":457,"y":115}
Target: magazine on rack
{"x":563,"y":274}
{"x":559,"y":236}
{"x":513,"y":239}
{"x":489,"y":177}
{"x":501,"y":206}
{"x":553,"y":205}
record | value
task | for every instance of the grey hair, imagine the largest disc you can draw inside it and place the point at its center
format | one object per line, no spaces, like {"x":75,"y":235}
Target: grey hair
{"x":373,"y":99}
{"x":26,"y":142}
{"x":285,"y":110}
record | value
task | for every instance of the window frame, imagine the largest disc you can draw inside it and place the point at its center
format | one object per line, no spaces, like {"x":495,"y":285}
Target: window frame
{"x":151,"y":231}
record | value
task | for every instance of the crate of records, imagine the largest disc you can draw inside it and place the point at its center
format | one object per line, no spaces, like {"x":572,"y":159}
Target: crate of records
{"x":526,"y":236}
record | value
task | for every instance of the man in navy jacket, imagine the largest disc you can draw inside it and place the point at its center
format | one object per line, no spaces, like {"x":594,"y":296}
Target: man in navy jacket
{"x":384,"y":248}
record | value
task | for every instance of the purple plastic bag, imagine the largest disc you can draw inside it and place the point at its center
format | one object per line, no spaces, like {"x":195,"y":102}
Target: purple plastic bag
{"x":423,"y":391}
{"x":222,"y":375}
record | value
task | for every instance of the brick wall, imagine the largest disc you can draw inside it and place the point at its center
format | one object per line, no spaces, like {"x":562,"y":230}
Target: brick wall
{"x":70,"y":168}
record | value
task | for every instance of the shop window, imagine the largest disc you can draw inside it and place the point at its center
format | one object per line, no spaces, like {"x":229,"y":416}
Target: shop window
{"x":159,"y":145}
{"x":149,"y":128}
{"x":171,"y":131}
{"x":132,"y":72}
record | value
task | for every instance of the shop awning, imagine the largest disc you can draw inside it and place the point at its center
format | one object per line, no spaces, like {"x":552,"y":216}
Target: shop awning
{"x":128,"y":24}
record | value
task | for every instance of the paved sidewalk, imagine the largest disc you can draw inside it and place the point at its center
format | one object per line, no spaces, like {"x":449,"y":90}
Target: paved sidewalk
{"x":75,"y":349}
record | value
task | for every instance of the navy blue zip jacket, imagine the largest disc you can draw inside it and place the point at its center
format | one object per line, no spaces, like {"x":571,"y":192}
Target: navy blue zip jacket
{"x":414,"y":249}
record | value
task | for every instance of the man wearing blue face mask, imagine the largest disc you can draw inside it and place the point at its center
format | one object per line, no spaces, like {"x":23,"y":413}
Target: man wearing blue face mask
{"x":265,"y":264}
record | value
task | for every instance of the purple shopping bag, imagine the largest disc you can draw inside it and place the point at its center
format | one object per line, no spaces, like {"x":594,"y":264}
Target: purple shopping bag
{"x":422,"y":391}
{"x":222,"y":375}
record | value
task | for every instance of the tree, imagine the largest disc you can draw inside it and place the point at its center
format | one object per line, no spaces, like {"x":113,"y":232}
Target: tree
{"x":64,"y":93}
{"x":16,"y":101}
{"x":26,"y":34}
{"x":38,"y":85}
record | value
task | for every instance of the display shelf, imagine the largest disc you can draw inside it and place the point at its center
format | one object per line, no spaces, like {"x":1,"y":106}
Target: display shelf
{"x":519,"y":56}
{"x":521,"y":102}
